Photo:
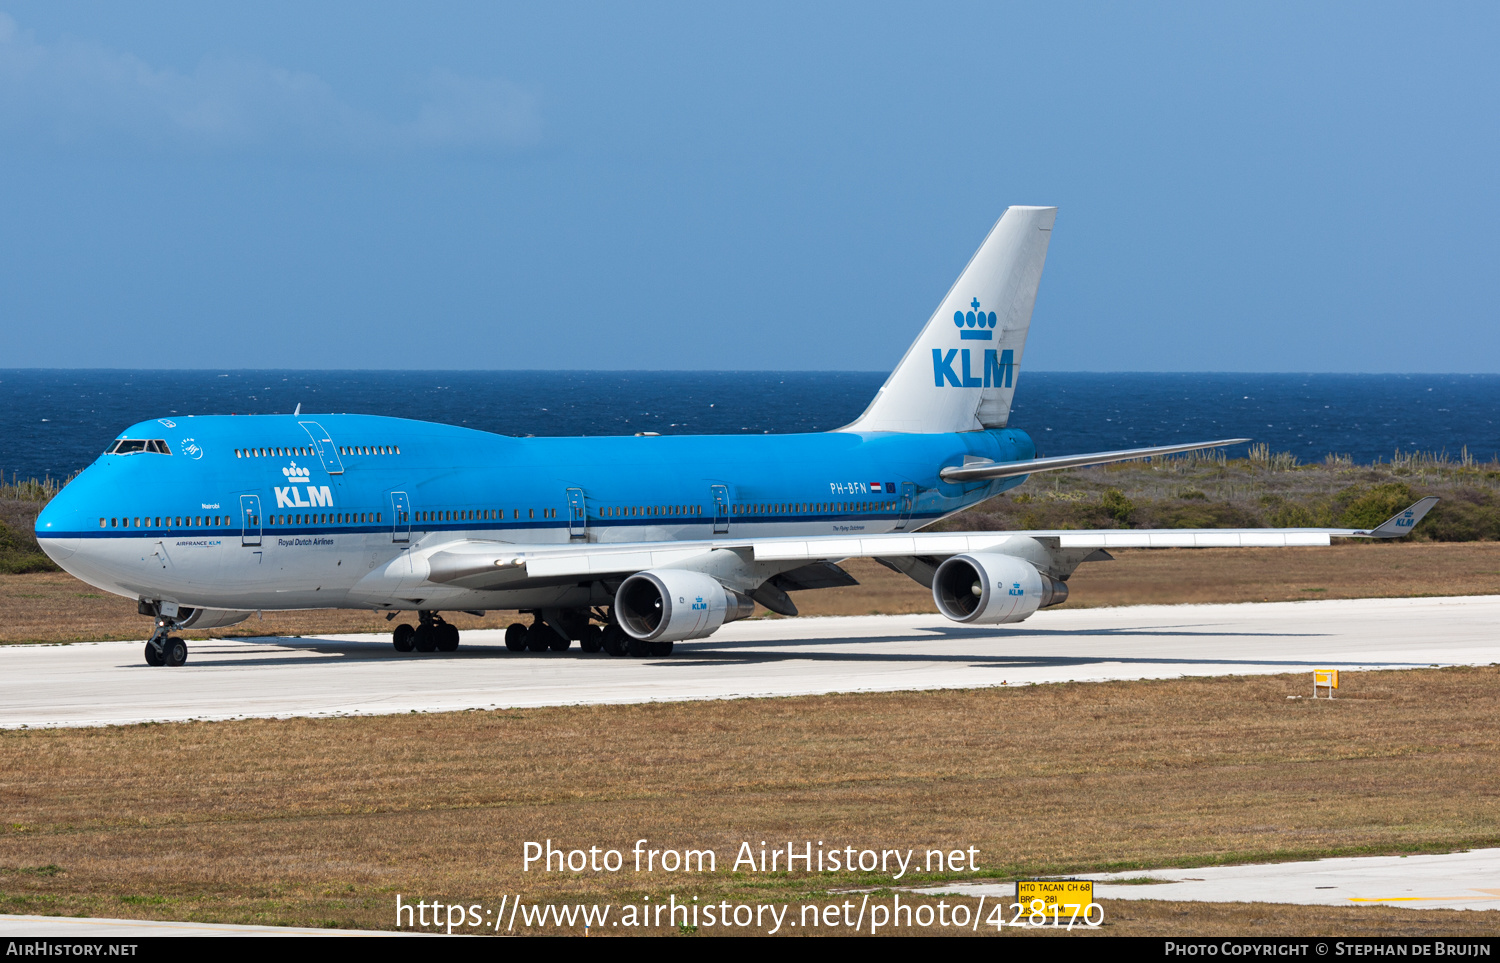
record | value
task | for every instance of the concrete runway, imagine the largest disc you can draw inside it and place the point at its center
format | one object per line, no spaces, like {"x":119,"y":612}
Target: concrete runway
{"x":1447,"y":881}
{"x":108,"y":683}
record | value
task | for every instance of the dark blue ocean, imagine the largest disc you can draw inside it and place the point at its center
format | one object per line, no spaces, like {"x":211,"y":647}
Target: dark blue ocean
{"x":54,"y":422}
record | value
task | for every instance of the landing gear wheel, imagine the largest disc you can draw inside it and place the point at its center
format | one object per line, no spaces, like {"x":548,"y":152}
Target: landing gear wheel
{"x":423,"y":638}
{"x":638,"y":648}
{"x":447,"y":637}
{"x":515,"y":637}
{"x":153,"y":657}
{"x":592,"y":640}
{"x":613,"y":640}
{"x":660,"y":649}
{"x":536,"y":637}
{"x":401,"y":638}
{"x":173,"y":652}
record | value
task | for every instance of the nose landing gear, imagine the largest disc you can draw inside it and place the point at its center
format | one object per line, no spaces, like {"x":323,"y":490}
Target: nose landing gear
{"x":164,"y":648}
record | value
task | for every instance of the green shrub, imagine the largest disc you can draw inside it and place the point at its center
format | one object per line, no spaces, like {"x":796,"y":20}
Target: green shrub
{"x":1117,"y":506}
{"x":19,"y":554}
{"x":1291,"y":515}
{"x":1201,"y":515}
{"x":1368,"y":507}
{"x":1466,"y":515}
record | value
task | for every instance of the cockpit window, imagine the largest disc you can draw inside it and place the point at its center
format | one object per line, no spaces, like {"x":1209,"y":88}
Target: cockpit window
{"x":129,"y":446}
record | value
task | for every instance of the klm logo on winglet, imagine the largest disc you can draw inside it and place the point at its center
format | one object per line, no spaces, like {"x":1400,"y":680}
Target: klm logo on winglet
{"x":318,"y":496}
{"x":1404,"y":521}
{"x":955,"y":367}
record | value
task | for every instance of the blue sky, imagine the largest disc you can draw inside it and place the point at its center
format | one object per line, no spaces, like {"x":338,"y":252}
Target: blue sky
{"x":1299,"y":187}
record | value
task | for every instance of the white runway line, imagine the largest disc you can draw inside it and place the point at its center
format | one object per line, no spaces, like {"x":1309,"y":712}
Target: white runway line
{"x":108,"y":683}
{"x":1448,"y":881}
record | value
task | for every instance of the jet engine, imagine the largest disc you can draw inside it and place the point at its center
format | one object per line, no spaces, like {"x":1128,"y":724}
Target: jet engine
{"x":988,"y":589}
{"x":667,"y":605}
{"x":209,"y":618}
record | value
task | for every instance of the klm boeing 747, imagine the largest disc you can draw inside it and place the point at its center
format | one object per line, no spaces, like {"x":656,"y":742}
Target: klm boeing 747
{"x":624,"y":544}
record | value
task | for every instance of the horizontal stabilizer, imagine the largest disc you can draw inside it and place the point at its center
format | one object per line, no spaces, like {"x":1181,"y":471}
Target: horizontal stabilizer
{"x":987,"y":470}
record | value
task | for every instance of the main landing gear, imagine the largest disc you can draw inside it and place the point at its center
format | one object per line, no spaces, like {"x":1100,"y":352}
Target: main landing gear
{"x":556,"y":629}
{"x":432,"y":634}
{"x":538,"y":637}
{"x":164,"y":648}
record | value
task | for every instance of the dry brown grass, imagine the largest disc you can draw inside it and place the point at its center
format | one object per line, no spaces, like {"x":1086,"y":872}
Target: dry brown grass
{"x":323,"y":821}
{"x":55,"y":607}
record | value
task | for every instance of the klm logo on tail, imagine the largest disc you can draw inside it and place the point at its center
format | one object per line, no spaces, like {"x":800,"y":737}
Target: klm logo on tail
{"x":999,"y":366}
{"x":974,"y":326}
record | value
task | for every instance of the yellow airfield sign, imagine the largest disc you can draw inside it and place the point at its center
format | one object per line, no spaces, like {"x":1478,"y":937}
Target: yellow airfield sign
{"x":1061,"y":898}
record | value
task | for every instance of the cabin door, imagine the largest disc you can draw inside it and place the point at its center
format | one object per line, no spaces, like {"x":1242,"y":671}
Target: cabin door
{"x":401,"y":513}
{"x":328,"y":453}
{"x":908,"y":500}
{"x":578,"y":515}
{"x":250,"y":520}
{"x":721,"y":509}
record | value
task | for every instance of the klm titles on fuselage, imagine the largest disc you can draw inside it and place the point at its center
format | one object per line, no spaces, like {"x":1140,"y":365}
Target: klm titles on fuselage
{"x":318,"y":496}
{"x":999,"y":366}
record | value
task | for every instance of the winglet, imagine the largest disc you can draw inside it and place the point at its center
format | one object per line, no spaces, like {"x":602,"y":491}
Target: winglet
{"x":1403,"y":522}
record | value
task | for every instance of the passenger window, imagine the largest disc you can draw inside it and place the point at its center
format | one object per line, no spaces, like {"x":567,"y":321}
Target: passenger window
{"x":101,"y":523}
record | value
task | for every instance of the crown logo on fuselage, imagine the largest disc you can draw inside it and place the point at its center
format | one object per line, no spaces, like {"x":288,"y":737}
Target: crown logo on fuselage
{"x":296,"y":474}
{"x":975,"y":325}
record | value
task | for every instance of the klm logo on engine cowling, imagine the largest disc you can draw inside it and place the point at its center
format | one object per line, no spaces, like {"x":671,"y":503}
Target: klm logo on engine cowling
{"x":955,"y":367}
{"x":318,"y":496}
{"x":1015,"y":589}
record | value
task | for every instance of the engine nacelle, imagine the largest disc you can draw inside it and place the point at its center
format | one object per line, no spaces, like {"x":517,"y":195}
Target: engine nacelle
{"x":668,"y":605}
{"x":210,"y":618}
{"x":988,"y":589}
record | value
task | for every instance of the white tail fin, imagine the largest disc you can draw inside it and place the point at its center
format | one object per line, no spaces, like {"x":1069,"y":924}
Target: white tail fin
{"x":960,"y":373}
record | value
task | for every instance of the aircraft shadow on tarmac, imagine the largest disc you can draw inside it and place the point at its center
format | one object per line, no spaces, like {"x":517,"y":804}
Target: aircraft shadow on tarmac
{"x":308,"y":651}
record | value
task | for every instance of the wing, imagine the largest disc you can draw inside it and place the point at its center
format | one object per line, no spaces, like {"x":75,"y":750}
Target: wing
{"x":508,"y":563}
{"x":665,"y":591}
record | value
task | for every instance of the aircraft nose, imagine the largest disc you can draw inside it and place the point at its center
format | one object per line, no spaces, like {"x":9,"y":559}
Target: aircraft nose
{"x":61,"y":521}
{"x":57,"y":549}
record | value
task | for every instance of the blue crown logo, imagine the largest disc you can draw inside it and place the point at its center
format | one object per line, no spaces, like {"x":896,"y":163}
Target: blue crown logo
{"x":975,"y":325}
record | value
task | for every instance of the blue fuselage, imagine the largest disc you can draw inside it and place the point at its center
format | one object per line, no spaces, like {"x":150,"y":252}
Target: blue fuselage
{"x":288,"y":512}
